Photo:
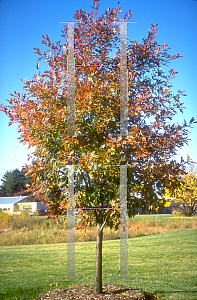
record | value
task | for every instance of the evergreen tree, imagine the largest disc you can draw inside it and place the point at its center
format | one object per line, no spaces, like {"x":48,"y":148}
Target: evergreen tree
{"x":13,"y":182}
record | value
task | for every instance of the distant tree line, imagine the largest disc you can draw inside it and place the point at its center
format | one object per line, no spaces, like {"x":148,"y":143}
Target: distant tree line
{"x":14,"y":183}
{"x":184,"y":199}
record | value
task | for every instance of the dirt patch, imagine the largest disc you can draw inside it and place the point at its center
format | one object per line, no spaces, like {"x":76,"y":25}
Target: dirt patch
{"x":85,"y":292}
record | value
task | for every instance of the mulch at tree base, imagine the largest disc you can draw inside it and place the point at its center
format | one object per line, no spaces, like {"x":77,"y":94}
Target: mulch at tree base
{"x":85,"y":292}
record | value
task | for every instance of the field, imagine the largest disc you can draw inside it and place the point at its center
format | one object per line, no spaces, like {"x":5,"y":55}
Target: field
{"x":164,"y":264}
{"x":23,"y":230}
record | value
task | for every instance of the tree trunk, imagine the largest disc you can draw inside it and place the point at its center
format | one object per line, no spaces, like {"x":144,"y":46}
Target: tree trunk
{"x":98,"y":268}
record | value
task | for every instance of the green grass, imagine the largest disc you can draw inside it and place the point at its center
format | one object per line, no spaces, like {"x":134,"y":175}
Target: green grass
{"x":164,"y":264}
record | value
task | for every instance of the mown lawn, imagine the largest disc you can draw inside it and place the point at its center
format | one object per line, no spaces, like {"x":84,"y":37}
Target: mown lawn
{"x":164,"y":264}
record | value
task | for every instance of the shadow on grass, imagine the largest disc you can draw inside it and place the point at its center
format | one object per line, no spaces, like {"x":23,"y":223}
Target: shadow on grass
{"x":177,"y":291}
{"x":142,"y":294}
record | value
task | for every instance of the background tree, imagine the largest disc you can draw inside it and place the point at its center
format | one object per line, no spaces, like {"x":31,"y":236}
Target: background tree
{"x":97,"y":149}
{"x":14,"y":182}
{"x":184,"y":199}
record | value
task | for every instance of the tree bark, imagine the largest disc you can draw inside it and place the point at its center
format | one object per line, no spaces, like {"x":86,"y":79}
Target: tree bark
{"x":98,"y":268}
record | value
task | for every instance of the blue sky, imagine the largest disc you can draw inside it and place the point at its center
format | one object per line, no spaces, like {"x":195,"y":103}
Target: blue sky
{"x":23,"y":23}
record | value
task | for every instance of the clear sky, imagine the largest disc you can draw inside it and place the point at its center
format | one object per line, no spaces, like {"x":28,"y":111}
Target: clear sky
{"x":22,"y":24}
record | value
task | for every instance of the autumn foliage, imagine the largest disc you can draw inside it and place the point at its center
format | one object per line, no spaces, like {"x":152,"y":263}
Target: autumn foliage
{"x":184,"y":199}
{"x":98,"y":149}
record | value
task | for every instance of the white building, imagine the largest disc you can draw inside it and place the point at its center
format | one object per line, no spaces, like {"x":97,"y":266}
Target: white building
{"x":32,"y":206}
{"x":15,"y":204}
{"x":9,"y":204}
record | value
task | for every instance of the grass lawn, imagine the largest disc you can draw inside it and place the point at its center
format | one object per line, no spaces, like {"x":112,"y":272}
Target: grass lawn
{"x":164,"y":264}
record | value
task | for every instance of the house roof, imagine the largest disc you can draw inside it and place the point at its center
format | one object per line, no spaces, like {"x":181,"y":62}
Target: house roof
{"x":11,"y":200}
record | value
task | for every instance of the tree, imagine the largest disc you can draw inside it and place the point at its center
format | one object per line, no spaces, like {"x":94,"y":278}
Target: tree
{"x":14,"y":182}
{"x":45,"y":116}
{"x":184,"y":199}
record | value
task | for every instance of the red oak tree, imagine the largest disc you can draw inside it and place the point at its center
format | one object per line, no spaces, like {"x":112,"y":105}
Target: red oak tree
{"x":97,"y":146}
